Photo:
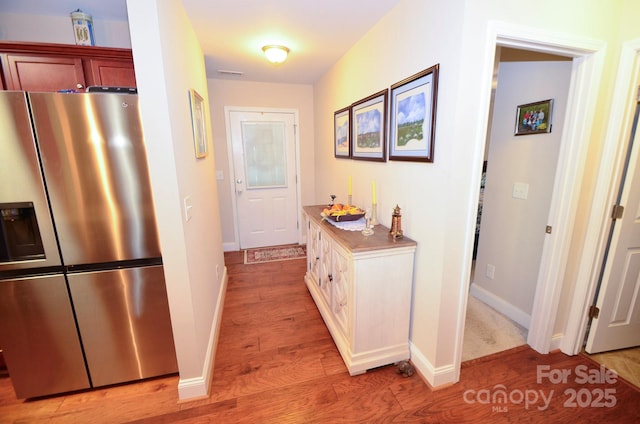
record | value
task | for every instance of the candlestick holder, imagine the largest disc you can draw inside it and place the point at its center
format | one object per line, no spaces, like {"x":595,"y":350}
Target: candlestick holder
{"x":368,"y":228}
{"x":374,"y":214}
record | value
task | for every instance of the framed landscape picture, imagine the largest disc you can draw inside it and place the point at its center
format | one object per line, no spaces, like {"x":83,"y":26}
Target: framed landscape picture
{"x":368,"y":129}
{"x":534,"y":118}
{"x":198,"y":124}
{"x":342,"y":133}
{"x":413,"y":117}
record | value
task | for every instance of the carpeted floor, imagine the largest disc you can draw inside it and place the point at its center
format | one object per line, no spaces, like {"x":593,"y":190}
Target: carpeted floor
{"x":275,"y":253}
{"x":487,"y":331}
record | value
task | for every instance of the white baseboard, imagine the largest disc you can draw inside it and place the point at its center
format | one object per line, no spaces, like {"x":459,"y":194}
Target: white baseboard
{"x":556,"y":342}
{"x":198,"y":387}
{"x":505,"y":308}
{"x":440,"y":376}
{"x":230,"y":247}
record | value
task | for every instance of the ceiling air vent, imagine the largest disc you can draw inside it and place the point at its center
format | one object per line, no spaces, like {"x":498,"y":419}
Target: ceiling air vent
{"x":227,"y":72}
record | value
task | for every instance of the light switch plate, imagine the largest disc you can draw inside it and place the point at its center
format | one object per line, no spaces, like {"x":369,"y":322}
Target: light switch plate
{"x":188,"y":208}
{"x":520,"y":190}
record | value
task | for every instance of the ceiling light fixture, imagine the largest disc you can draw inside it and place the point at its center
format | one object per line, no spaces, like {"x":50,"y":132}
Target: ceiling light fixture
{"x":275,"y":53}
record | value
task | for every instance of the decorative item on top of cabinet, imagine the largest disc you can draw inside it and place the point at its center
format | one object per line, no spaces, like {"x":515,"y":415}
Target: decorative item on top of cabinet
{"x":362,"y":287}
{"x":396,"y":223}
{"x":64,"y":67}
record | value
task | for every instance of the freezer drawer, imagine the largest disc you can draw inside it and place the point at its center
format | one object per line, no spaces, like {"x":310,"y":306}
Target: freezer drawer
{"x":123,"y":316}
{"x":39,"y":338}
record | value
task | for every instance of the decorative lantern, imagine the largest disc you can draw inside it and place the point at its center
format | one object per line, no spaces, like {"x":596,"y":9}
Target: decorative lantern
{"x":82,"y":28}
{"x":396,"y":224}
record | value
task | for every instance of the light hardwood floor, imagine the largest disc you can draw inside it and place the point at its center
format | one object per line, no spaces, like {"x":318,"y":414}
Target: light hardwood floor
{"x":626,"y":362}
{"x":276,"y":363}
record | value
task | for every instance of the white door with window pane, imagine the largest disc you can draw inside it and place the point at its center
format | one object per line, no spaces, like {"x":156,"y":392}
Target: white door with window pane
{"x":264,"y":167}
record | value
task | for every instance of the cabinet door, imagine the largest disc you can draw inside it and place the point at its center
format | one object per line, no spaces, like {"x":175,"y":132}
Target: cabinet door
{"x":111,"y":73}
{"x":313,"y":250}
{"x":341,"y":289}
{"x":326,"y":276}
{"x":43,"y":73}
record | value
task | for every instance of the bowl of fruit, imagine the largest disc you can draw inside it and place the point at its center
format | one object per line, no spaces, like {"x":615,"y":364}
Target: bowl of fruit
{"x":339,"y":212}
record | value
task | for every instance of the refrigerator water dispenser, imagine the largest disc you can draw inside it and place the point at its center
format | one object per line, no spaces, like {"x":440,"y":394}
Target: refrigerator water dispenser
{"x":19,"y":233}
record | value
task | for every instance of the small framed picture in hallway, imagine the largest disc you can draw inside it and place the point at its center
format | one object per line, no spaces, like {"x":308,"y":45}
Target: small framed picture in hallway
{"x":369,"y":128}
{"x":534,"y":118}
{"x":198,"y":123}
{"x":342,"y":131}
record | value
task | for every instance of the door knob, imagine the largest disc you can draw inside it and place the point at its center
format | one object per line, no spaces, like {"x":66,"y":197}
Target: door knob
{"x":239,"y":188}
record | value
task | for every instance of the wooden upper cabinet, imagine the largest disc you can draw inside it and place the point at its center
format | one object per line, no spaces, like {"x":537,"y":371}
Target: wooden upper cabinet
{"x":109,"y":72}
{"x":44,"y":73}
{"x":56,"y":67}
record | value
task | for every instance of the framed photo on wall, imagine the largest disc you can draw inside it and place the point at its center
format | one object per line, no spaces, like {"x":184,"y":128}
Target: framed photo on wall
{"x":369,"y":129}
{"x":342,"y":133}
{"x":198,"y":124}
{"x":534,"y":118}
{"x":413,"y":116}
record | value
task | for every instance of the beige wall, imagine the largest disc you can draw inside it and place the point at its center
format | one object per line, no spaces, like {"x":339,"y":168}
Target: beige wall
{"x":512,"y":231}
{"x":439,"y":200}
{"x":168,"y":63}
{"x":409,"y":39}
{"x":592,"y":220}
{"x":259,"y":95}
{"x":58,"y":29}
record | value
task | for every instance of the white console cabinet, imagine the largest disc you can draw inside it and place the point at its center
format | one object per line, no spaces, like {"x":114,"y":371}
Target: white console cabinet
{"x":362,"y":287}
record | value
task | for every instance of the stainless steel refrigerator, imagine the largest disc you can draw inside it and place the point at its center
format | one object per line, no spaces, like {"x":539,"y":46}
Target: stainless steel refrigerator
{"x":83,"y":300}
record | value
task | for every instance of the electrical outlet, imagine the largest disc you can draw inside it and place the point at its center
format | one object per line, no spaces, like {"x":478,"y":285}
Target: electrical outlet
{"x":490,"y":271}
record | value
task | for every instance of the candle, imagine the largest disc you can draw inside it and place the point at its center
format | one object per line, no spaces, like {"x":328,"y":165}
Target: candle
{"x":349,"y":185}
{"x":373,"y":193}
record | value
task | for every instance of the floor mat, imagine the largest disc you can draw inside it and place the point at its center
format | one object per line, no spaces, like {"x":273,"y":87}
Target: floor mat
{"x":275,"y":253}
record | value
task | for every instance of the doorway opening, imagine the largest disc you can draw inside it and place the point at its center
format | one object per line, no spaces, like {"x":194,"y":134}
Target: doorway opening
{"x":514,"y":202}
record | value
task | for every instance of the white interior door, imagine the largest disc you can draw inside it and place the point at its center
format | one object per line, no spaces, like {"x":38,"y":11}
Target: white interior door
{"x":264,"y":166}
{"x":618,"y":322}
